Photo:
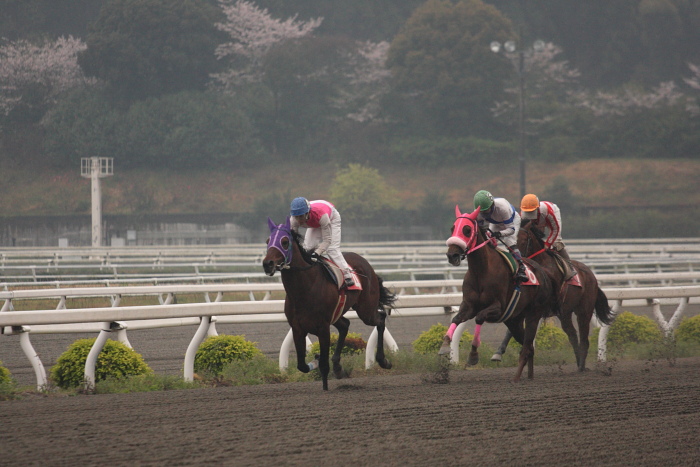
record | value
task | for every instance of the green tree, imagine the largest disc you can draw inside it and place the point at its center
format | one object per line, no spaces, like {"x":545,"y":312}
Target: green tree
{"x":361,"y":193}
{"x":442,"y":60}
{"x":146,"y":48}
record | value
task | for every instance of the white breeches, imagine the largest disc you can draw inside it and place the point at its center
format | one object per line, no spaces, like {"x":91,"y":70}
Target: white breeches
{"x":314,"y":237}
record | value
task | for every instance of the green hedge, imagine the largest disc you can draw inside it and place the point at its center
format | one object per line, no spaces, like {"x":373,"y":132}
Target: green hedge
{"x":116,"y":360}
{"x":689,"y":330}
{"x":216,"y":352}
{"x":354,"y":345}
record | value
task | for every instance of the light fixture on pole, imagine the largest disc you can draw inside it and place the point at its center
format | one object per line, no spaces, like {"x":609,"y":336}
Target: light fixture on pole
{"x":96,"y":168}
{"x":510,"y":47}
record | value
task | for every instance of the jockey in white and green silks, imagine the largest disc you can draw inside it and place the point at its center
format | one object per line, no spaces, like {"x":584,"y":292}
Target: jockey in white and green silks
{"x":322,"y":222}
{"x":503,"y":222}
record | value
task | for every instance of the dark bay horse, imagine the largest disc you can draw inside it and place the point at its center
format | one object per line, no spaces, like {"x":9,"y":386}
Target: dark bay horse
{"x":580,"y":296}
{"x":313,"y":302}
{"x":489,"y":293}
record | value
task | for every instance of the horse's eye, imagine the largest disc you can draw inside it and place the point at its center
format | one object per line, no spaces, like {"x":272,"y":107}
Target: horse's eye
{"x":466,"y":231}
{"x":285,"y":243}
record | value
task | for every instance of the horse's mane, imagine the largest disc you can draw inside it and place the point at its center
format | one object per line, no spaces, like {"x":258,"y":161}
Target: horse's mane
{"x":296,"y":236}
{"x":535,"y":231}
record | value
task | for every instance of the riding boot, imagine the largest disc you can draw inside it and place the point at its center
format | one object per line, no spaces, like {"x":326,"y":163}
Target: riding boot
{"x":520,"y":275}
{"x":349,"y":282}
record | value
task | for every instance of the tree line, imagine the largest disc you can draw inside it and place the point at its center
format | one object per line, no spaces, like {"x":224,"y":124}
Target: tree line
{"x":232,"y":83}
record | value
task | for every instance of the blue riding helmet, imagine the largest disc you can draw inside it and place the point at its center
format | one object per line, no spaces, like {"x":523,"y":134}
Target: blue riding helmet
{"x":300,"y":206}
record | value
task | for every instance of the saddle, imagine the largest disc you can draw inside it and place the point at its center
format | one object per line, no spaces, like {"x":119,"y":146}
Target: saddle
{"x":513,"y":265}
{"x":565,"y":267}
{"x":335,"y":275}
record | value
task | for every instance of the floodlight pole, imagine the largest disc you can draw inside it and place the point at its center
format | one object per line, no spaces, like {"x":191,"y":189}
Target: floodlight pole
{"x":96,"y":168}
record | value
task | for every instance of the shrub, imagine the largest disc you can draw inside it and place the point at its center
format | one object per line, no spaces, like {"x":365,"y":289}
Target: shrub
{"x":218,"y":351}
{"x":115,"y":360}
{"x":551,"y":337}
{"x":689,"y":330}
{"x":431,"y":340}
{"x":629,"y":328}
{"x":354,"y":344}
{"x":5,"y":376}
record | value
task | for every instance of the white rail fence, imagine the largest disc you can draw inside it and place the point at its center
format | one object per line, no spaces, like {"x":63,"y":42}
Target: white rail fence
{"x":117,"y":319}
{"x":71,"y":263}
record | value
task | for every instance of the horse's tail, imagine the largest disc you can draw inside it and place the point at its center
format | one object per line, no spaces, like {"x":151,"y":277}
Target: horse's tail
{"x":602,"y":308}
{"x":386,"y":298}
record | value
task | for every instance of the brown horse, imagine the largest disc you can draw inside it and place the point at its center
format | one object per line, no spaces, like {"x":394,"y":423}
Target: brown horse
{"x":580,"y":295}
{"x":489,"y":293}
{"x":313,"y":302}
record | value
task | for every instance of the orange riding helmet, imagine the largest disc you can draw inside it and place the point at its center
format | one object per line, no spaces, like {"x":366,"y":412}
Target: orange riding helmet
{"x":529,"y":206}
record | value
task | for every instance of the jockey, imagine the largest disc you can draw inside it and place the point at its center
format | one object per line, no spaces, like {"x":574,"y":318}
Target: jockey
{"x":322,"y":221}
{"x":504,"y":223}
{"x":546,"y":217}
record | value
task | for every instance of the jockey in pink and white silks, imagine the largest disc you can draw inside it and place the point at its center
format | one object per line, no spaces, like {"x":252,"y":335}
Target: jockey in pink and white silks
{"x":322,"y":222}
{"x":503,"y":222}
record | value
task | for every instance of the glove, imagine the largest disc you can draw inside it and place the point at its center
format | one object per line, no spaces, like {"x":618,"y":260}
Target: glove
{"x":496,"y":234}
{"x":315,"y":257}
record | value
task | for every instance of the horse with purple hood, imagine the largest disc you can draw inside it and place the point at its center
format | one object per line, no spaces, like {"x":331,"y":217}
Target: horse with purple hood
{"x":314,"y":302}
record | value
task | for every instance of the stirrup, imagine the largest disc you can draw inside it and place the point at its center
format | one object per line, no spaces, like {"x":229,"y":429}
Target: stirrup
{"x":349,"y":282}
{"x":521,"y":275}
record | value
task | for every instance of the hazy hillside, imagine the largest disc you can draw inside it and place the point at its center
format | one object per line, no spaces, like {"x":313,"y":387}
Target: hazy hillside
{"x":593,"y":183}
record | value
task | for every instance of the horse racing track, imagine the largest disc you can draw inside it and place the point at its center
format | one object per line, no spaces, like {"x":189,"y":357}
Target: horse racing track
{"x":628,"y":413}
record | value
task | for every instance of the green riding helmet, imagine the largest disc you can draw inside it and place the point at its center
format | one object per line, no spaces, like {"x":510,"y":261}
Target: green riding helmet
{"x":483,"y":200}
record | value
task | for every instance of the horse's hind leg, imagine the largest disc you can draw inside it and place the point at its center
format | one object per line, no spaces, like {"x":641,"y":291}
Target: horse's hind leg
{"x":381,"y":359}
{"x":497,"y":357}
{"x":584,"y":327}
{"x":324,"y":340}
{"x":342,"y":325}
{"x":568,"y":326}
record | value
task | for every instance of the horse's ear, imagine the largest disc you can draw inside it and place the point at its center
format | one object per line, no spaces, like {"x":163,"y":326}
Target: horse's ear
{"x":474,"y":214}
{"x":457,"y":213}
{"x":287,"y":224}
{"x":271,"y":224}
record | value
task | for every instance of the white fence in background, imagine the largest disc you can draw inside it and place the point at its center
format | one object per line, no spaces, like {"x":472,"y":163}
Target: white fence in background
{"x":237,"y":262}
{"x":118,"y":318}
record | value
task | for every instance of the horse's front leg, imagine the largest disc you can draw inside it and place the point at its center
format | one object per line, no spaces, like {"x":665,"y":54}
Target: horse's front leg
{"x":464,"y":314}
{"x":300,"y":348}
{"x":490,"y":313}
{"x":342,"y":325}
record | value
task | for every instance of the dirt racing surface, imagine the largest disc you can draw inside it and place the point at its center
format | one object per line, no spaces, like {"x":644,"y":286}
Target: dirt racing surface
{"x":637,"y":413}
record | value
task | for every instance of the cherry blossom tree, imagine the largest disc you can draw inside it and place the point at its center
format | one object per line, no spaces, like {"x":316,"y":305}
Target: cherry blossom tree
{"x":254,"y":32}
{"x":368,"y":82}
{"x":44,"y":70}
{"x":693,"y":106}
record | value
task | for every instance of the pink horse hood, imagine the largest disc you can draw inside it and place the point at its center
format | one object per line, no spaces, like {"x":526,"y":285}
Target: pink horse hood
{"x":458,"y":238}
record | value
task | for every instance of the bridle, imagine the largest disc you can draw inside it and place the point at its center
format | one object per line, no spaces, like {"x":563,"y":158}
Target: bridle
{"x":278,"y":234}
{"x":458,"y":238}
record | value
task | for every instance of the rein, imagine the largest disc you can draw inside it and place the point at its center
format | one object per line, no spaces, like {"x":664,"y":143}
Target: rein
{"x":527,"y":247}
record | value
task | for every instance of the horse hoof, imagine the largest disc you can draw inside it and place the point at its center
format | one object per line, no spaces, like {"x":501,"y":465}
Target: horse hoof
{"x":387,"y":365}
{"x":473,"y":358}
{"x":496,"y":357}
{"x":444,"y":350}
